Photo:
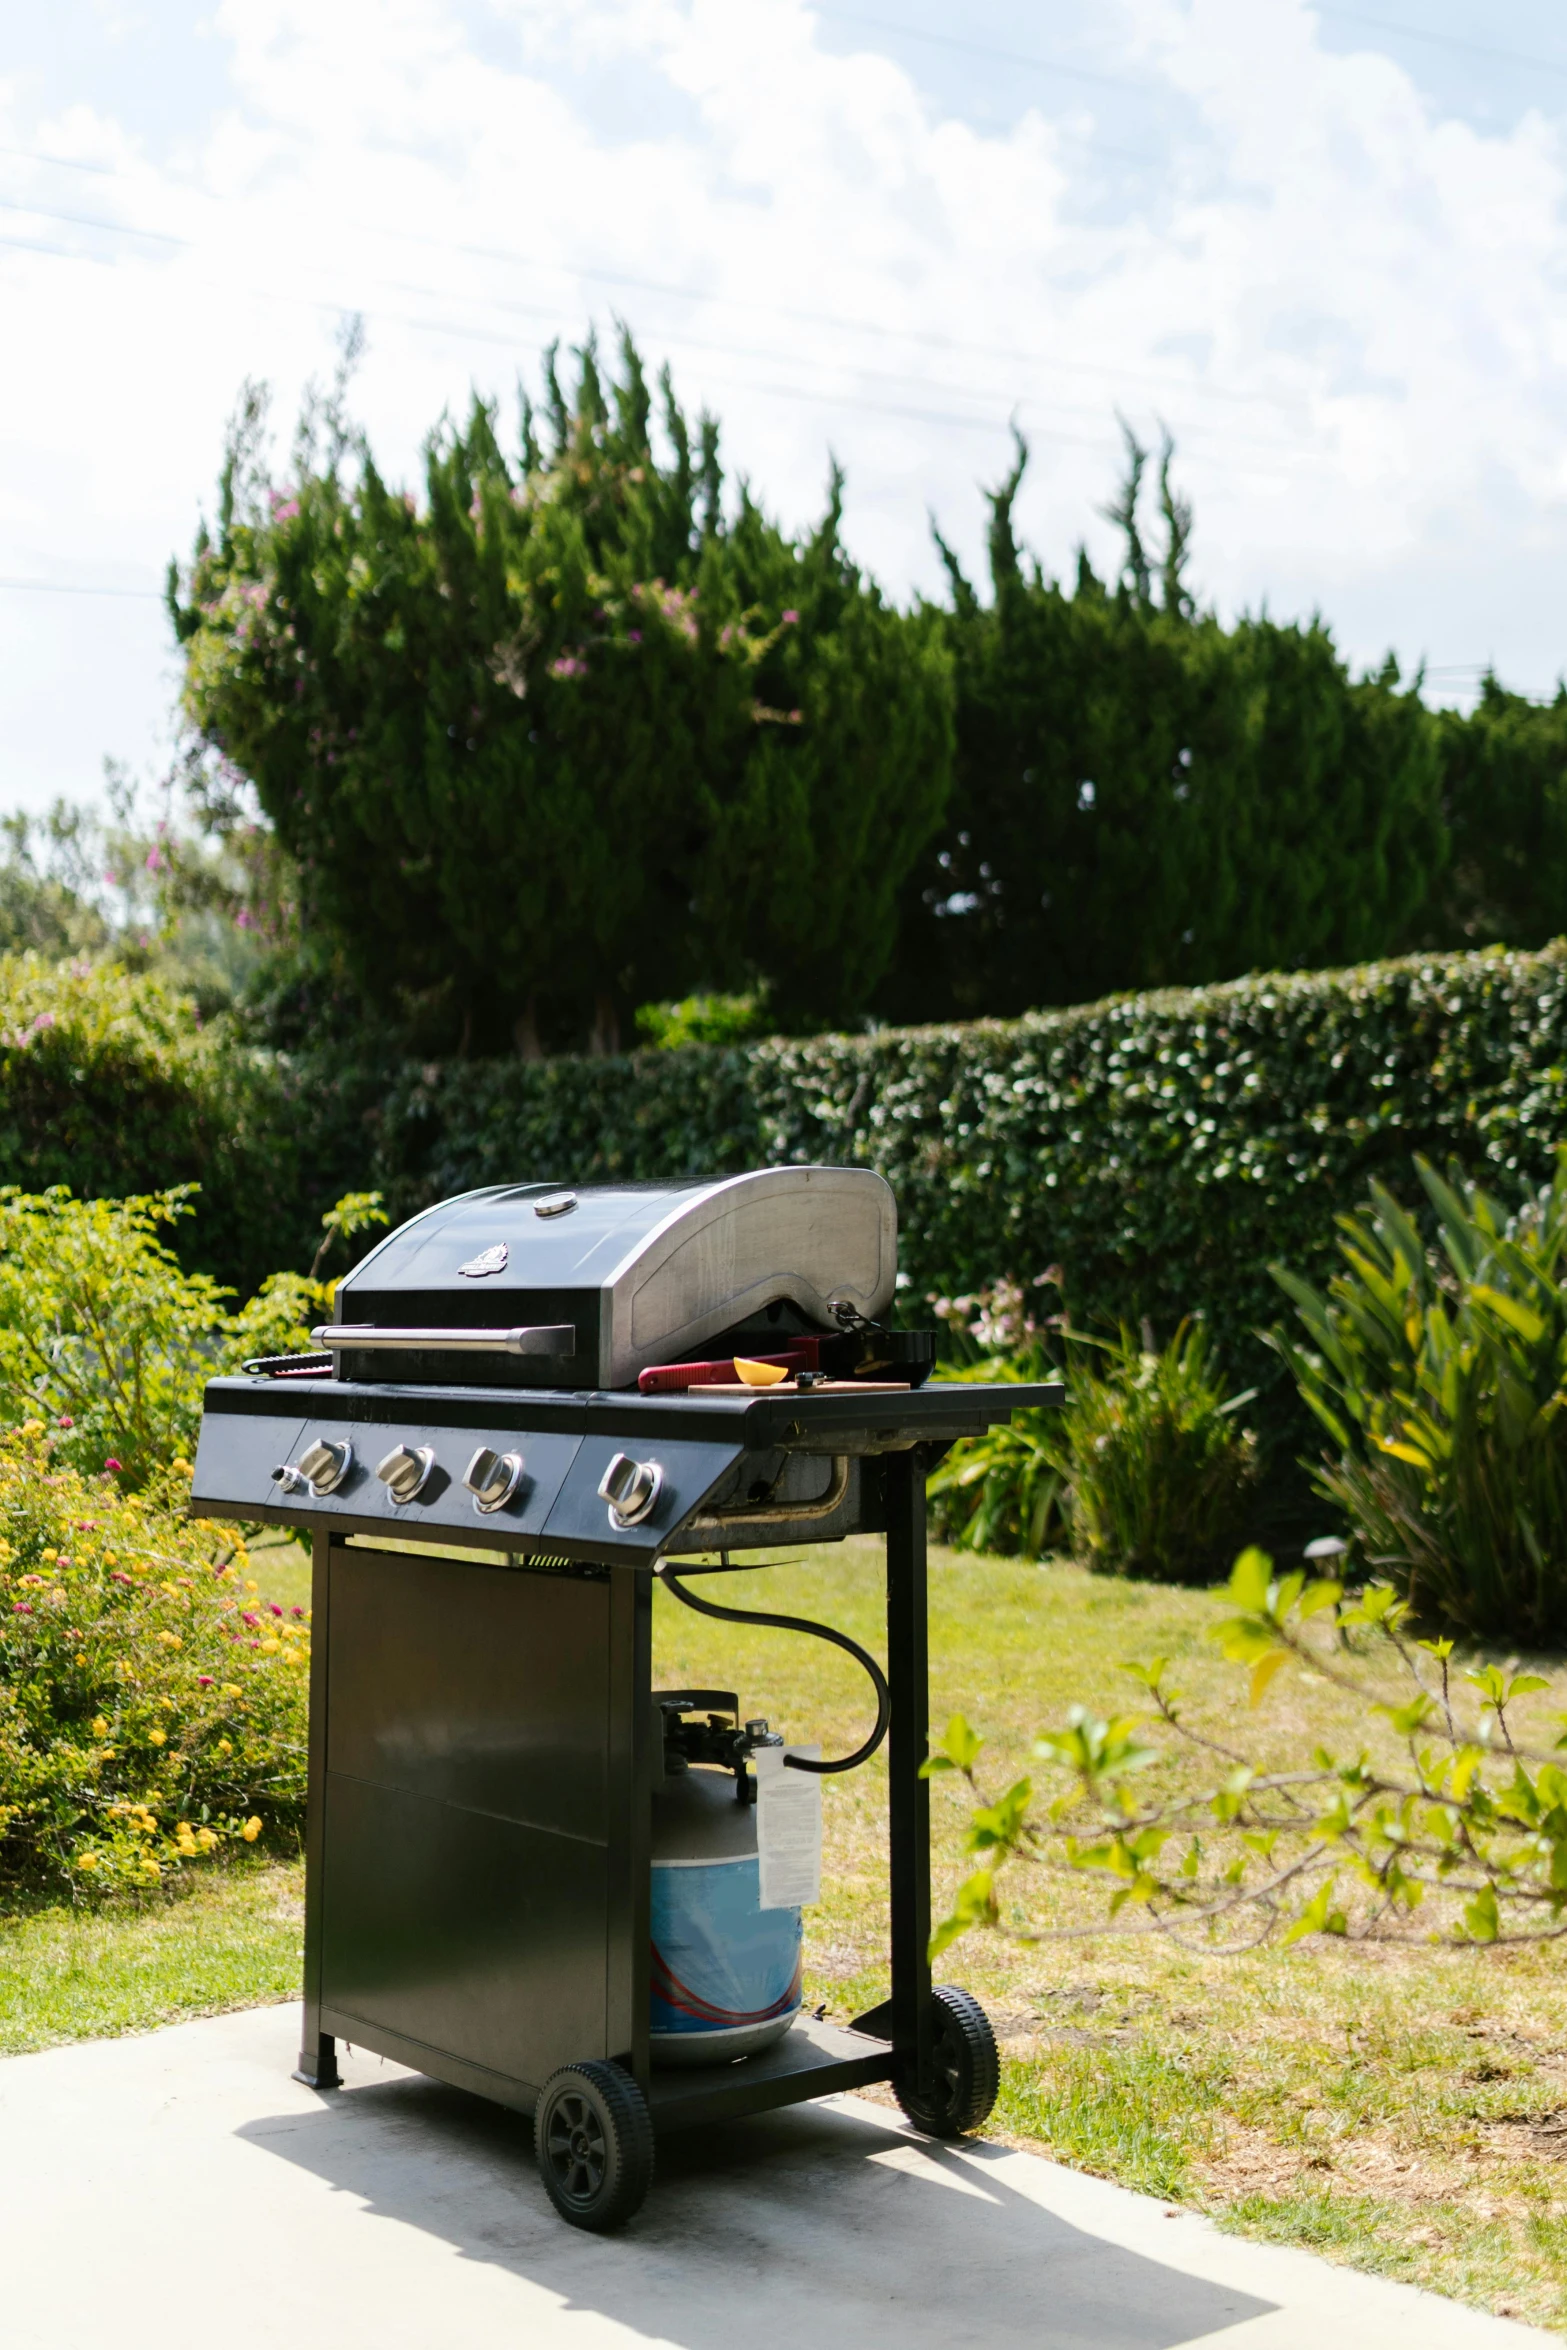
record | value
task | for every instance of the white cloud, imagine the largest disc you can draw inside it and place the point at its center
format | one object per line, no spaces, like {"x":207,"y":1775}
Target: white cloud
{"x":1346,"y":305}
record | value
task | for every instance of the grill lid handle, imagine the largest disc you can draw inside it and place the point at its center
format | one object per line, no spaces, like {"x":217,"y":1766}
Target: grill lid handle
{"x":537,"y":1338}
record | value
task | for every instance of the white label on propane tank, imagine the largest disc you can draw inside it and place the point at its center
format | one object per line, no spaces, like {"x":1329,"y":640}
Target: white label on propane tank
{"x":788,"y":1827}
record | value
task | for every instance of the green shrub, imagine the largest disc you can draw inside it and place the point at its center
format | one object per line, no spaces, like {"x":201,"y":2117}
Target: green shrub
{"x":111,"y":1084}
{"x":1143,"y":1471}
{"x":150,"y":1712}
{"x":1442,"y":1381}
{"x":1160,"y":1473}
{"x":104,"y":1333}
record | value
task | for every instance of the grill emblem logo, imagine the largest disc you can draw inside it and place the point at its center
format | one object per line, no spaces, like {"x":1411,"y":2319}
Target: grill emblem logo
{"x":489,"y":1260}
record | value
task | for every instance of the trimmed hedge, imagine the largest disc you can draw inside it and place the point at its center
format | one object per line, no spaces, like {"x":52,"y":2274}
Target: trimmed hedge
{"x":1162,"y":1148}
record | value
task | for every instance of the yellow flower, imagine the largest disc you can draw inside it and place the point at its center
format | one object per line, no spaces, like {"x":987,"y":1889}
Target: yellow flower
{"x":181,"y":1463}
{"x":32,"y":1427}
{"x":100,"y":1726}
{"x":108,"y":1754}
{"x":171,"y":1640}
{"x":251,"y":1830}
{"x":268,"y":1647}
{"x":157,"y":1737}
{"x":231,"y":1689}
{"x":150,"y":1869}
{"x":252,"y":1586}
{"x":88,"y":1860}
{"x":51,"y":1554}
{"x":225,"y":1746}
{"x":206,"y":1839}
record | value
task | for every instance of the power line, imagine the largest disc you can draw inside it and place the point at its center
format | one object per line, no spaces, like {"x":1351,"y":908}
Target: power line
{"x":609,"y":277}
{"x":1052,"y":65}
{"x":908,"y":32}
{"x":72,"y":587}
{"x":119,"y":228}
{"x":62,"y":162}
{"x":1409,"y":32}
{"x":459,"y":330}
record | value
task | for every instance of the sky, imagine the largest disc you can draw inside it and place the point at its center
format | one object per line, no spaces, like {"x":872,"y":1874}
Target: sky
{"x":1324,"y":246}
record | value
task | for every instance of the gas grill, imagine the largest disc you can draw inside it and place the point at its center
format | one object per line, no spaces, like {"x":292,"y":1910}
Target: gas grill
{"x":532,"y":1401}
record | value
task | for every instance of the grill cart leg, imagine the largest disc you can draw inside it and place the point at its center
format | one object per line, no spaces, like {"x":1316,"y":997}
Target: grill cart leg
{"x":947,"y":2070}
{"x":909,"y":1795}
{"x":317,"y":2049}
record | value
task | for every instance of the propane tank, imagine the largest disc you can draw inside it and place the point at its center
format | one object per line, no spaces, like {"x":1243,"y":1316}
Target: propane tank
{"x":725,"y":1971}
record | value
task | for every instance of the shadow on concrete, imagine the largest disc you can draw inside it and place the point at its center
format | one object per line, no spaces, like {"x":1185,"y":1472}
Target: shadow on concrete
{"x":810,"y":2226}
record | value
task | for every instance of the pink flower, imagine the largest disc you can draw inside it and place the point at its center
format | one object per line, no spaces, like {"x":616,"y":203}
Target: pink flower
{"x":155,"y":860}
{"x":19,"y":1607}
{"x":110,"y":1463}
{"x":246,"y":1617}
{"x":117,"y":1577}
{"x":65,"y":1421}
{"x":205,"y":1681}
{"x":300,"y":1613}
{"x":273,"y":1605}
{"x":634,"y":636}
{"x":790,"y":618}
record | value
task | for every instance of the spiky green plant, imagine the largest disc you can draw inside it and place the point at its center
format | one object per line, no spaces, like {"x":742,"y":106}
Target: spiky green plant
{"x":1145,"y":1471}
{"x":1439,"y":1374}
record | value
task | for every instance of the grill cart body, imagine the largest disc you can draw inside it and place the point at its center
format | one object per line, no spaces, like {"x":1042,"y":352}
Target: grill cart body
{"x":484,"y":1737}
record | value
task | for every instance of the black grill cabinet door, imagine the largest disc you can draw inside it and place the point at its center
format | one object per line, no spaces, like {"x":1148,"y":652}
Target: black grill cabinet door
{"x":465,"y":1846}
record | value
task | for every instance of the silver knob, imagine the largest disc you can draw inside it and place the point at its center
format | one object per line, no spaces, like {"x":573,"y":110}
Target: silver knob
{"x":630,"y":1488}
{"x":288,"y":1479}
{"x":405,"y":1471}
{"x":493,"y":1478}
{"x":324,"y":1466}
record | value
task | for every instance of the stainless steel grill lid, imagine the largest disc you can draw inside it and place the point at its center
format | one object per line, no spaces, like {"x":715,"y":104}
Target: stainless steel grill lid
{"x":539,"y":1286}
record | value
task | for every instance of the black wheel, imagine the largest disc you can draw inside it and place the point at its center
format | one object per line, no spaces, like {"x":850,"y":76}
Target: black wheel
{"x":966,"y":2069}
{"x":593,"y":2138}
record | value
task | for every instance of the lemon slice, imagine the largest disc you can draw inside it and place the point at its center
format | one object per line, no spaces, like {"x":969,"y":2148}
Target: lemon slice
{"x":758,"y":1374}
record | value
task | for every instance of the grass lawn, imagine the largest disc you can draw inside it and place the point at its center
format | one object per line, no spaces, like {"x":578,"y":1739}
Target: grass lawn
{"x":1401,"y":2110}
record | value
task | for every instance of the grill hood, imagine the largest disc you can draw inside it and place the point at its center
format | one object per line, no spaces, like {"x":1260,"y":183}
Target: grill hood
{"x":536,"y":1285}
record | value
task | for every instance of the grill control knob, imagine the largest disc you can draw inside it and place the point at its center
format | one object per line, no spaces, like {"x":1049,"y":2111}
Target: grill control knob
{"x":288,"y":1479}
{"x":324,"y":1466}
{"x":493,"y":1478}
{"x":630,"y":1488}
{"x":405,"y":1471}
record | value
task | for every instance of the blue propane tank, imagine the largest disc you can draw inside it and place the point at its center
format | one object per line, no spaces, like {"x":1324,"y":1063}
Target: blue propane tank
{"x":726,"y":1972}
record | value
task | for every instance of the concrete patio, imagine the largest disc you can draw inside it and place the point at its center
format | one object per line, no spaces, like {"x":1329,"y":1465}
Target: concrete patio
{"x":178,"y":2189}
